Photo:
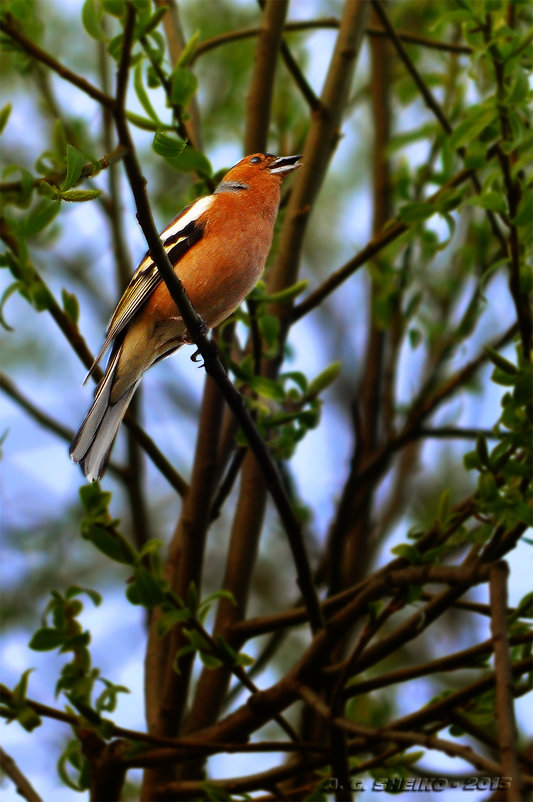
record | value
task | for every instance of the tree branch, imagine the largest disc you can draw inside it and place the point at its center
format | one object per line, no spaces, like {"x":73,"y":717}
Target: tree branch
{"x":8,"y":27}
{"x":504,"y":679}
{"x":22,"y":784}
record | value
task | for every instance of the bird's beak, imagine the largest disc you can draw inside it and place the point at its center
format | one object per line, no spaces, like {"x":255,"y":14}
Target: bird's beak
{"x":284,"y":165}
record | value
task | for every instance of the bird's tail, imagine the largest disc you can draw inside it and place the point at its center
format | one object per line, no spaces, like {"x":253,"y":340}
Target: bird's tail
{"x":93,"y":441}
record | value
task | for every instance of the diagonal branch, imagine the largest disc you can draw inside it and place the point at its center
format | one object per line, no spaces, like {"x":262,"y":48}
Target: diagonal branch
{"x":9,"y":28}
{"x":21,"y":782}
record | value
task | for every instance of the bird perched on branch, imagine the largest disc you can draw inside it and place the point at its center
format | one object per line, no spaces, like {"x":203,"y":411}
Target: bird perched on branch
{"x":218,"y":247}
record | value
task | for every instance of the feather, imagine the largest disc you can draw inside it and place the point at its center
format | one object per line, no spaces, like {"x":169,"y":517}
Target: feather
{"x":95,"y":437}
{"x":178,"y":237}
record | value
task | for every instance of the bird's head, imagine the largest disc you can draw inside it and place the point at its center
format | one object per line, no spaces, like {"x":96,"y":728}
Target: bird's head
{"x":258,"y":168}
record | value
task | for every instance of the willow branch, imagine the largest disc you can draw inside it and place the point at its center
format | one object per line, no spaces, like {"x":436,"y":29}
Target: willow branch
{"x":433,"y":105}
{"x":9,"y":28}
{"x":504,"y":679}
{"x":389,"y":233}
{"x":331,"y":23}
{"x":406,"y":738}
{"x":261,"y":89}
{"x":20,"y":781}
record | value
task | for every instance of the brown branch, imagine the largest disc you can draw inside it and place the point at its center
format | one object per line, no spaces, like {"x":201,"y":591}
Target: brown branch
{"x":8,"y":27}
{"x":20,"y":781}
{"x":319,"y":147}
{"x":176,"y":43}
{"x":332,"y":23}
{"x":392,"y":230}
{"x":504,"y":679}
{"x":54,"y":179}
{"x":384,"y":734}
{"x":261,"y":89}
{"x":468,"y":658}
{"x":106,"y":768}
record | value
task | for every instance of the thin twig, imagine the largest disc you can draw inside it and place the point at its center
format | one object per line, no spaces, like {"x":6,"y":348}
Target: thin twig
{"x":21,"y":782}
{"x":435,"y":107}
{"x":451,"y":748}
{"x":332,"y":23}
{"x":8,"y":27}
{"x":393,"y":230}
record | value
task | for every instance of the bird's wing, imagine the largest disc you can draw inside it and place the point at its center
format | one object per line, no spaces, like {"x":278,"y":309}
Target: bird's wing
{"x":178,"y":237}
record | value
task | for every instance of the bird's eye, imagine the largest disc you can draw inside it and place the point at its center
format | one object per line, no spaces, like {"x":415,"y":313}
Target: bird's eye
{"x":255,"y":160}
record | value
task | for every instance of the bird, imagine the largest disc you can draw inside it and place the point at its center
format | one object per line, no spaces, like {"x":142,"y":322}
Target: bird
{"x":218,"y":246}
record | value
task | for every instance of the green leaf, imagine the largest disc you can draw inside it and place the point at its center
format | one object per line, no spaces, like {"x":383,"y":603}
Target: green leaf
{"x":80,"y":195}
{"x":244,"y":660}
{"x":524,"y":215}
{"x":416,"y":212}
{"x":16,"y":286}
{"x":149,"y":590}
{"x":168,"y":147}
{"x":525,"y":606}
{"x":40,"y":217}
{"x":210,"y":661}
{"x":142,"y":94}
{"x":218,"y":594}
{"x":150,"y":547}
{"x":154,"y":20}
{"x":408,"y":552}
{"x":267,"y":388}
{"x":145,"y":124}
{"x":497,"y":359}
{"x":40,"y":296}
{"x":269,"y":328}
{"x":260,"y":297}
{"x":169,"y":620}
{"x":110,"y":543}
{"x":191,"y":160}
{"x":59,"y":138}
{"x":494,"y":201}
{"x":75,"y":162}
{"x":184,"y":85}
{"x":189,"y":50}
{"x":488,"y":489}
{"x":91,"y":17}
{"x":46,"y":639}
{"x":28,"y":718}
{"x":95,"y":501}
{"x":325,"y":378}
{"x":18,"y":696}
{"x":443,"y":508}
{"x":76,"y":590}
{"x":471,"y":128}
{"x":71,"y":306}
{"x":116,"y":8}
{"x":4,"y":116}
{"x":415,"y":337}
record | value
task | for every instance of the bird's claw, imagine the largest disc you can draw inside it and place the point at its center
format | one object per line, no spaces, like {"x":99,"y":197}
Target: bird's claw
{"x":196,"y":358}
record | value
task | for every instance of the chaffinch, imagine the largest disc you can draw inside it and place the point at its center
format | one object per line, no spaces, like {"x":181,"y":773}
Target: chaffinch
{"x":218,"y":246}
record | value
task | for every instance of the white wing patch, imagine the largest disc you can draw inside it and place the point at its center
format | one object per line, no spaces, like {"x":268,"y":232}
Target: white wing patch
{"x":146,"y":277}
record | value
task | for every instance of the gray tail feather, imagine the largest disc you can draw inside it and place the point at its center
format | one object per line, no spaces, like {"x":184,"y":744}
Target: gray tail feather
{"x":95,"y":437}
